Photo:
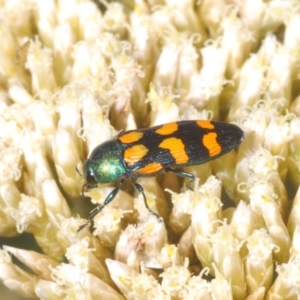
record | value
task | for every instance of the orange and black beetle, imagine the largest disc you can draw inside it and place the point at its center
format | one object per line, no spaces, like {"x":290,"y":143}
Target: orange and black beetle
{"x":163,"y":148}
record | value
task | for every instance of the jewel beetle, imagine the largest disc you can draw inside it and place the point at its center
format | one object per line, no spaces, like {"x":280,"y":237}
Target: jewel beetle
{"x":148,"y":152}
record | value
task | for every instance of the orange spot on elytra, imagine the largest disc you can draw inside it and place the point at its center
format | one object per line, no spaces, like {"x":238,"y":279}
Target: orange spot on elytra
{"x":167,"y":129}
{"x":176,"y":148}
{"x":149,"y":169}
{"x":205,"y":124}
{"x":134,"y":154}
{"x":211,"y":144}
{"x":131,"y":137}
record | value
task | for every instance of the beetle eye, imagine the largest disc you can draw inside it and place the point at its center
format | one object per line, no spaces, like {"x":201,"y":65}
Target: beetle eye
{"x":90,"y":179}
{"x":88,"y":174}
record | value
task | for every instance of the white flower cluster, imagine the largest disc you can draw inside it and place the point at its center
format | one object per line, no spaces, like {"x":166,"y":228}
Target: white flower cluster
{"x":73,"y":73}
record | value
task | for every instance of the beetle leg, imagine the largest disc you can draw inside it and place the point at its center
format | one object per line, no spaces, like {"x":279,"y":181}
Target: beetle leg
{"x":184,"y":175}
{"x":108,"y":199}
{"x":140,"y":189}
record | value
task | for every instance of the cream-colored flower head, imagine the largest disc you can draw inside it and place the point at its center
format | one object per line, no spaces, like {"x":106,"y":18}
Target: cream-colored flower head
{"x":74,"y":74}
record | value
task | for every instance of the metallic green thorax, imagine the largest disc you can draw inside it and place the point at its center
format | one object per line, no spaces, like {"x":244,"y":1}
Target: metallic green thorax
{"x":105,"y":164}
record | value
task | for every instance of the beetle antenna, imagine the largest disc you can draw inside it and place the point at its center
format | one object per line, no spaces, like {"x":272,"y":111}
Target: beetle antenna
{"x":76,"y":168}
